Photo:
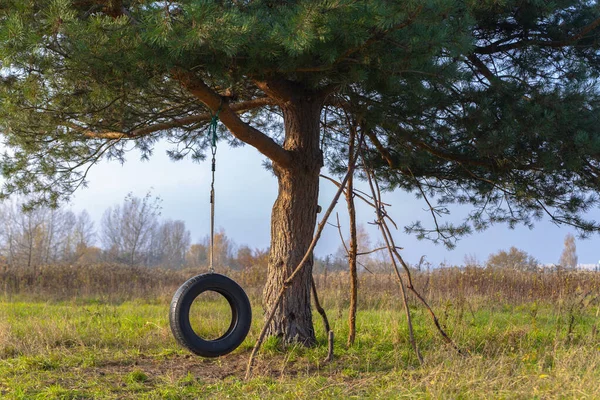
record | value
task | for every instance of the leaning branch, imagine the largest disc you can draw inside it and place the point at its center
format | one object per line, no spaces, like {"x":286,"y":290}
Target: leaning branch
{"x":482,"y":68}
{"x":355,"y":192}
{"x":412,"y":288}
{"x":364,"y":253}
{"x":325,"y":320}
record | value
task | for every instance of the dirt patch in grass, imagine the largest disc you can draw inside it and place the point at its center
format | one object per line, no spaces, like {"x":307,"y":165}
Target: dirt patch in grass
{"x":207,"y":370}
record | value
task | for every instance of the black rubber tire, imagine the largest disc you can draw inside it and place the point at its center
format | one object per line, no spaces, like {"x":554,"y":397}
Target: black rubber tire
{"x":241,"y":313}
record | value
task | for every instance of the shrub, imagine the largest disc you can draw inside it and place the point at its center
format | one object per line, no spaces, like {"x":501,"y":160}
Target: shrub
{"x":512,"y":259}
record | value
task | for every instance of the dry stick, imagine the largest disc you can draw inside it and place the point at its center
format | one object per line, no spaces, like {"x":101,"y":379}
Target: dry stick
{"x":364,"y":253}
{"x":298,"y":269}
{"x":380,"y":218}
{"x":353,"y":241}
{"x":339,"y":228}
{"x":318,"y":305}
{"x":356,"y":192}
{"x":329,"y":347}
{"x":325,"y":321}
{"x":413,"y":342}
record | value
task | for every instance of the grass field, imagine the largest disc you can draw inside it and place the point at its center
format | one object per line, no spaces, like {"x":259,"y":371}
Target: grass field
{"x":80,"y":349}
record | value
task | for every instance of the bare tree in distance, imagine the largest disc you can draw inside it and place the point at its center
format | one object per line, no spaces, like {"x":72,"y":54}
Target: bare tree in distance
{"x":60,"y":239}
{"x":470,"y":260}
{"x":24,"y":236}
{"x":568,"y":258}
{"x":196,"y":256}
{"x":244,"y":257}
{"x":363,"y":244}
{"x":224,"y":248}
{"x":84,"y":238}
{"x":85,"y":232}
{"x":173,"y":241}
{"x":127,"y":229}
{"x":30,"y":238}
{"x":225,"y":253}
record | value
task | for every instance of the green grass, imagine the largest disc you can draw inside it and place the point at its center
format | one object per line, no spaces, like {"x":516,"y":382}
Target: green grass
{"x":90,"y":350}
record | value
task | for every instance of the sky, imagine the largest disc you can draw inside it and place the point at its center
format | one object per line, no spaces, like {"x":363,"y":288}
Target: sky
{"x":245,"y":192}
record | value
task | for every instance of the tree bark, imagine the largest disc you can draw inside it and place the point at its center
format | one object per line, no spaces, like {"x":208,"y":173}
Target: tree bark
{"x":293,"y":221}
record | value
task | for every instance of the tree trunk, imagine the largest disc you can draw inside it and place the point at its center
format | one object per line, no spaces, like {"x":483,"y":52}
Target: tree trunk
{"x":293,"y":222}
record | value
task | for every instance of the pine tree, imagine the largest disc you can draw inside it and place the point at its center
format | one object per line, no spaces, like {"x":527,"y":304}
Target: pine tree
{"x":493,"y":104}
{"x":568,"y":258}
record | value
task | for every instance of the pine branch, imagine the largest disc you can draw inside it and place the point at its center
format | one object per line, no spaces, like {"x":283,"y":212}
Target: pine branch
{"x":495,"y":48}
{"x":176,"y":123}
{"x":482,"y":68}
{"x":376,"y":37}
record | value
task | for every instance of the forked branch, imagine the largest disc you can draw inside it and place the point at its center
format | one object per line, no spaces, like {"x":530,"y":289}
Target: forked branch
{"x":240,"y":129}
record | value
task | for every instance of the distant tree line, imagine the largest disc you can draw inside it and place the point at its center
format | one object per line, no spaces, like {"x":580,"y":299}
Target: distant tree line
{"x":519,"y":260}
{"x":131,"y":233}
{"x":43,"y":236}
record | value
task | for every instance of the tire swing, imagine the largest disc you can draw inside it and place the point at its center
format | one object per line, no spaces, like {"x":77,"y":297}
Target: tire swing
{"x":241,"y":312}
